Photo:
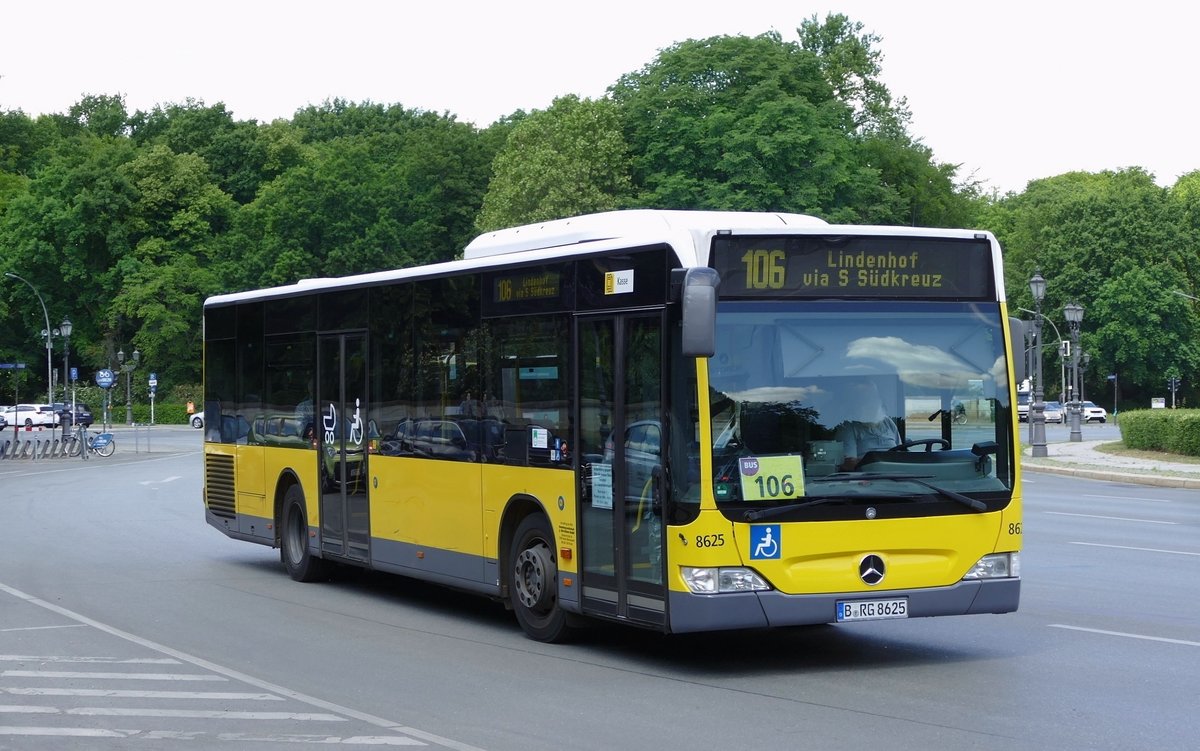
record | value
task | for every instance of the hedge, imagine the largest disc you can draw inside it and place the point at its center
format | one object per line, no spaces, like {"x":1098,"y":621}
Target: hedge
{"x":168,"y":409}
{"x":1173,"y":430}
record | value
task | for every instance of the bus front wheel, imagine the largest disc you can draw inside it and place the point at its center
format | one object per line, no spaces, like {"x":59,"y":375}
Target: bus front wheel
{"x":533,"y":582}
{"x":293,"y":543}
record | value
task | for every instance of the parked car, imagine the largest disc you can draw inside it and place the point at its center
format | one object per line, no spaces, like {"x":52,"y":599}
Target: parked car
{"x":1093,"y":412}
{"x":197,"y":420}
{"x":28,"y":415}
{"x":1054,"y":412}
{"x":82,"y":414}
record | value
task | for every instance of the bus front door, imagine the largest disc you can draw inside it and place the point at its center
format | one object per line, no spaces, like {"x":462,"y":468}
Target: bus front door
{"x":342,"y":446}
{"x":620,"y":422}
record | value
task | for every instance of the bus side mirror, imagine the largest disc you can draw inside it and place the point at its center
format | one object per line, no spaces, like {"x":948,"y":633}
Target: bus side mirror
{"x":699,"y":297}
{"x":1019,"y":331}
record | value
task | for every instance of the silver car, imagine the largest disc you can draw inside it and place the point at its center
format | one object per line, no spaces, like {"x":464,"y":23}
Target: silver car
{"x":1054,"y":412}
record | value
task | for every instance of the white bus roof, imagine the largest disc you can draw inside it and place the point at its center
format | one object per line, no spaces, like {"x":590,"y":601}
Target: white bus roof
{"x":620,"y":224}
{"x":688,"y":232}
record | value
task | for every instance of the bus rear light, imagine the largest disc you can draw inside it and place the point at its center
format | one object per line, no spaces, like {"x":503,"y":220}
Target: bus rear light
{"x":711,"y":581}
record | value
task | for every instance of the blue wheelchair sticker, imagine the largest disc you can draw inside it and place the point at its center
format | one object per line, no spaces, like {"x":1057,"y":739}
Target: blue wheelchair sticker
{"x":765,"y":541}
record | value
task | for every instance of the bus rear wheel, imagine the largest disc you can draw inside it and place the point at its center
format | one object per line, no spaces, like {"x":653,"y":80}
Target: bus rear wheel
{"x":293,"y":542}
{"x":533,"y":582}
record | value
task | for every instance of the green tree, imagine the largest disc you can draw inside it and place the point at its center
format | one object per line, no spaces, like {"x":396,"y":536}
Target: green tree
{"x":852,"y":64}
{"x":67,"y":233}
{"x":174,"y":222}
{"x":242,"y":155}
{"x":365,"y":201}
{"x":569,"y":159}
{"x":1114,"y":243}
{"x":756,"y":123}
{"x":100,"y":114}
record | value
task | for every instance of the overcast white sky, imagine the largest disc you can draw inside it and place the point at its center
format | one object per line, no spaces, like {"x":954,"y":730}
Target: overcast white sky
{"x":1012,"y":91}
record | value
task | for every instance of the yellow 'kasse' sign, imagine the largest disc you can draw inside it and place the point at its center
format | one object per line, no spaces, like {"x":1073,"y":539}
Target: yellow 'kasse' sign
{"x":771,"y":478}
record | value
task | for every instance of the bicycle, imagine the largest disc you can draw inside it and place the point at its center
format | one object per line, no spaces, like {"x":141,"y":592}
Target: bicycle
{"x":102,"y":444}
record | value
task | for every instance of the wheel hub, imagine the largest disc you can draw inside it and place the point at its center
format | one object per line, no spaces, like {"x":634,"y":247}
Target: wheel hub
{"x":533,"y":576}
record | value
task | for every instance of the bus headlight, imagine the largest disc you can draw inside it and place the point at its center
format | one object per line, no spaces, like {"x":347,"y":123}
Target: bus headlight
{"x":711,"y":581}
{"x":996,"y":566}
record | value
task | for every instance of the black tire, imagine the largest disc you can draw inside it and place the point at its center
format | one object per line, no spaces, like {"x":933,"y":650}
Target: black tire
{"x":533,"y":582}
{"x":197,"y":423}
{"x":293,"y":539}
{"x":108,"y":448}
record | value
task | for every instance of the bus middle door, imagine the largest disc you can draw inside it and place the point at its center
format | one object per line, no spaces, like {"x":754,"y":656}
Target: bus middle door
{"x":343,"y":446}
{"x":620,"y":422}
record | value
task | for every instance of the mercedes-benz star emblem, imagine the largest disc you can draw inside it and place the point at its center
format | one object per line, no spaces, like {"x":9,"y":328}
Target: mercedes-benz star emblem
{"x":872,"y":570}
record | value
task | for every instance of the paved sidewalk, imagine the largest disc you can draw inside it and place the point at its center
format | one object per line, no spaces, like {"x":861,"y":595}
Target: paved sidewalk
{"x":1081,"y":459}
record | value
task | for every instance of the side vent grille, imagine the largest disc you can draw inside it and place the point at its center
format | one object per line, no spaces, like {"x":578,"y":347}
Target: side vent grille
{"x":219,"y":493}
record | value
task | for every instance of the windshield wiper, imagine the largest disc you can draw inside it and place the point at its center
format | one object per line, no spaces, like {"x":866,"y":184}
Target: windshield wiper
{"x":971,"y":503}
{"x":768,"y":513}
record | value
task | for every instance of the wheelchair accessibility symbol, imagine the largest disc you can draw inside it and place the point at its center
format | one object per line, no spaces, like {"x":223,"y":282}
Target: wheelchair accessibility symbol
{"x":764,"y":542}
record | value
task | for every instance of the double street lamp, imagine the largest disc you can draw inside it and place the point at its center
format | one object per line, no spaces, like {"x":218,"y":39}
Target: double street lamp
{"x":1074,"y":315}
{"x":1037,"y":409}
{"x":127,"y":368}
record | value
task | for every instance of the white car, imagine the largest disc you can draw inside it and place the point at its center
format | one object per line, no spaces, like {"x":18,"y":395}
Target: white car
{"x":1094,"y":413}
{"x":28,"y":415}
{"x":197,"y":420}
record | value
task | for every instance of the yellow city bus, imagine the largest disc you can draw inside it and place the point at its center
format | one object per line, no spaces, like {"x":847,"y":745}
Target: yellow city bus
{"x":683,"y":421}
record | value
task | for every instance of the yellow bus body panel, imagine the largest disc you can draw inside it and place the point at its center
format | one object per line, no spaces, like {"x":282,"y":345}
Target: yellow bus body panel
{"x":823,"y":557}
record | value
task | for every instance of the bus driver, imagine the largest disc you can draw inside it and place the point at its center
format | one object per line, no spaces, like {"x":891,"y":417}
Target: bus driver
{"x":869,"y":428}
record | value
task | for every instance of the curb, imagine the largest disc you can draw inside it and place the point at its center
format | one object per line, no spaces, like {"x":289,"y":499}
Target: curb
{"x":1161,"y":481}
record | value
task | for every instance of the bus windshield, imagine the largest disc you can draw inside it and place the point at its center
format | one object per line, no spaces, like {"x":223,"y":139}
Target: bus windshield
{"x":829,"y":407}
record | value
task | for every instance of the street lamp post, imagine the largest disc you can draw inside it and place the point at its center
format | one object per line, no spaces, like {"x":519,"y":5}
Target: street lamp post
{"x":49,"y":359}
{"x":65,"y":328}
{"x":127,"y":368}
{"x":1037,"y":410}
{"x":1074,"y":315}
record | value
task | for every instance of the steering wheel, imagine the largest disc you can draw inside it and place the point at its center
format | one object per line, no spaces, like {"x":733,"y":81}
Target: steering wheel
{"x":928,"y":443}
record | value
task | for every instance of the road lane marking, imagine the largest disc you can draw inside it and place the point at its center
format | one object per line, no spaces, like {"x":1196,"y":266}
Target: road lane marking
{"x":42,"y":628}
{"x":1126,"y":498}
{"x":111,"y":676}
{"x":1143,"y":637}
{"x":1130,"y":547}
{"x":172,"y":478}
{"x":115,"y":693}
{"x":103,"y":660}
{"x":415,"y":735}
{"x":1113,"y":518}
{"x":203,"y":714}
{"x":64,"y":732}
{"x":195,"y":735}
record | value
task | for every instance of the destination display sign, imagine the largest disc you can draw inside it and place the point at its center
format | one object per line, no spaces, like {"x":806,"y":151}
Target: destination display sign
{"x":533,"y":289}
{"x":877,"y":267}
{"x":526,"y":285}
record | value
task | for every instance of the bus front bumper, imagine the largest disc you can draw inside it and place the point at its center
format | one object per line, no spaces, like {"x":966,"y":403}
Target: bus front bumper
{"x":691,"y":612}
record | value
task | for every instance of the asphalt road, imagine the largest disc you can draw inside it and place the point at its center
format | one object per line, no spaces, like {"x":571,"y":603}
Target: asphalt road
{"x":126,"y":622}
